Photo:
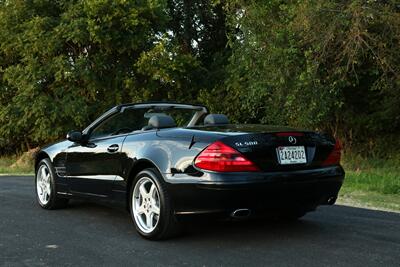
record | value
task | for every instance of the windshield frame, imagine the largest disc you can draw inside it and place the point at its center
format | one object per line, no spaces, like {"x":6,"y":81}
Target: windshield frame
{"x":200,"y":112}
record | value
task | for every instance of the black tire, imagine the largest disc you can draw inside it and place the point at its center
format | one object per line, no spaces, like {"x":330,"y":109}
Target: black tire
{"x":167,"y":225}
{"x":54,"y":201}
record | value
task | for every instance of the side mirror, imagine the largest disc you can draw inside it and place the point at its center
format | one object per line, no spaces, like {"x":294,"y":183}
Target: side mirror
{"x":75,"y":136}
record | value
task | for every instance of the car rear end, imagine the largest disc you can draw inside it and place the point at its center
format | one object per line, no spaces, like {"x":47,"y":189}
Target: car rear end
{"x":262,"y":173}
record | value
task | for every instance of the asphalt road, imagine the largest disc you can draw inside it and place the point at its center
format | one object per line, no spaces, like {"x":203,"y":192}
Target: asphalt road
{"x":88,"y":234}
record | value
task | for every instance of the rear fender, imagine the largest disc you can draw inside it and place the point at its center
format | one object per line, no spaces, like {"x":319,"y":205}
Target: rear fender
{"x":169,"y":155}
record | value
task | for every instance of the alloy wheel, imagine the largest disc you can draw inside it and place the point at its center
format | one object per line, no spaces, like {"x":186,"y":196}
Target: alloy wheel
{"x":146,"y":205}
{"x":43,"y":184}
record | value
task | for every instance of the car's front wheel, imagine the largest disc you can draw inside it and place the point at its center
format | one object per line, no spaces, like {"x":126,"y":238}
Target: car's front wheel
{"x":46,"y":188}
{"x":150,"y":206}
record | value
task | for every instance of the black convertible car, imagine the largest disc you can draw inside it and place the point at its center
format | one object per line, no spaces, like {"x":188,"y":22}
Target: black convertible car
{"x":168,"y":160}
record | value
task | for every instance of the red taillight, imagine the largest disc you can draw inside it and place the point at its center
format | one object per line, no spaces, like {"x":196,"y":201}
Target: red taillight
{"x":334,"y":156}
{"x":223,"y":158}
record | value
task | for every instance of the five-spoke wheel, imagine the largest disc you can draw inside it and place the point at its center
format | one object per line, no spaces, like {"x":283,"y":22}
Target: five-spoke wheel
{"x":146,"y":204}
{"x":46,"y":186}
{"x":43,"y":184}
{"x":151,"y":207}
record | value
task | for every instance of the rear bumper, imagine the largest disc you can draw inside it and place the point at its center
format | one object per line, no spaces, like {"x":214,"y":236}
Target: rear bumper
{"x":224,"y":193}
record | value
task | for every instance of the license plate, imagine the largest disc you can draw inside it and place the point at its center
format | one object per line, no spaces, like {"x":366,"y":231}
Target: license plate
{"x":291,"y":155}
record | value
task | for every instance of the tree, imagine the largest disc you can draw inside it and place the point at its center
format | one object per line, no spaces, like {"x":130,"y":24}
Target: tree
{"x":327,"y":65}
{"x":65,"y":62}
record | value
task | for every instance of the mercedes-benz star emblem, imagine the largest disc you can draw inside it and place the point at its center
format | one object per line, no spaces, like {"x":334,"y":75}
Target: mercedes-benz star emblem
{"x":292,"y":140}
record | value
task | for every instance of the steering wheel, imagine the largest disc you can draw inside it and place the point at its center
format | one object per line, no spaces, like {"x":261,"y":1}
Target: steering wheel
{"x":122,"y":131}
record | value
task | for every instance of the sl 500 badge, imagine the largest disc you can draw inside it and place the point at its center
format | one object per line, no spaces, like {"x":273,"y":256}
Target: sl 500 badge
{"x":246,"y":143}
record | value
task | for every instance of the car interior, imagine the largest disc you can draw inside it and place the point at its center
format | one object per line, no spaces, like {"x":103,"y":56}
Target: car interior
{"x":145,"y":119}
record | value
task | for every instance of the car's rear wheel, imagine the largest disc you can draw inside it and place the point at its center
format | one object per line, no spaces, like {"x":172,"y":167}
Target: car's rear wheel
{"x":150,"y":206}
{"x":46,"y":188}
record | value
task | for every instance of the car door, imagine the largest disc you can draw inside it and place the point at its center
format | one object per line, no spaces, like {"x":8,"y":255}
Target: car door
{"x":94,"y":165}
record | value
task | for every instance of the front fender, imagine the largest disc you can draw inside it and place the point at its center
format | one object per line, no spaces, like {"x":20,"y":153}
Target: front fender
{"x":56,"y":153}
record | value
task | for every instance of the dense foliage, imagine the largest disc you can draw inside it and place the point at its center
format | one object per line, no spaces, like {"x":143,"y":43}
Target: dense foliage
{"x":321,"y":64}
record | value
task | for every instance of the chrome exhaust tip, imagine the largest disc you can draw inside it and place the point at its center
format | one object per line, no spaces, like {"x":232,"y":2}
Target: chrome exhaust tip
{"x":240,"y":213}
{"x":331,"y":200}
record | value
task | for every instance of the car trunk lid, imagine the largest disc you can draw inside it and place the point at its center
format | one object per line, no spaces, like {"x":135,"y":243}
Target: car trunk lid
{"x":259,"y":143}
{"x":263,"y":148}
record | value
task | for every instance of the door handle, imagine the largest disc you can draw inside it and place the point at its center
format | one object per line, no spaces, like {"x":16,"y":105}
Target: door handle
{"x":113,"y":148}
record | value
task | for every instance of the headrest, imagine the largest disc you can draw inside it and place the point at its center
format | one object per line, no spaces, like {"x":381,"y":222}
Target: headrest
{"x":216,"y":119}
{"x":161,"y":121}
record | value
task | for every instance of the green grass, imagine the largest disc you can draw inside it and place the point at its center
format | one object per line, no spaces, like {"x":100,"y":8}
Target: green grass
{"x":8,"y":166}
{"x":372,"y":175}
{"x":371,"y":182}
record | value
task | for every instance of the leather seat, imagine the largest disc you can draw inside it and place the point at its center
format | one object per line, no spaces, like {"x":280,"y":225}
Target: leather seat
{"x":216,"y":119}
{"x":159,"y":122}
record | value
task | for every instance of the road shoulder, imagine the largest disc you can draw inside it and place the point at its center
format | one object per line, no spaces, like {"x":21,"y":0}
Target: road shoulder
{"x":369,"y":200}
